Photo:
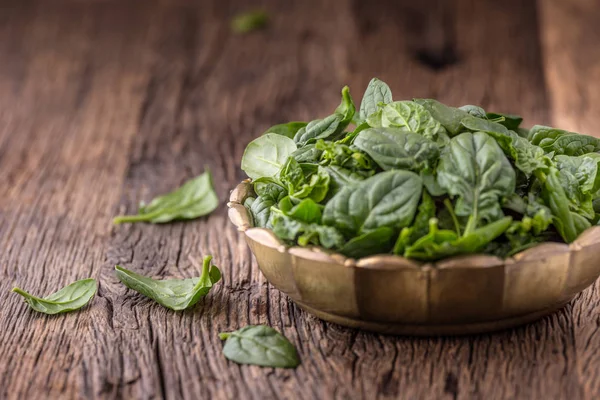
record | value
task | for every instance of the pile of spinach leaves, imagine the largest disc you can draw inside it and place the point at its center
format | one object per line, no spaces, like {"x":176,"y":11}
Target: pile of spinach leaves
{"x":422,"y":180}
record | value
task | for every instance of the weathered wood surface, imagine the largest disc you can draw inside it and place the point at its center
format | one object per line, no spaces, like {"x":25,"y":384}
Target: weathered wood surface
{"x":104,"y":103}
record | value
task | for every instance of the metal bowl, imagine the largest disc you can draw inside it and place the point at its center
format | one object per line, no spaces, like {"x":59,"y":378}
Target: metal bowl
{"x":392,"y":294}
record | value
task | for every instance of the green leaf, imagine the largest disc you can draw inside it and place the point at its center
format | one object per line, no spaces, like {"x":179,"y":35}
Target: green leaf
{"x":304,"y":180}
{"x":69,"y":298}
{"x":412,"y":117}
{"x":475,"y":111}
{"x":377,"y":92}
{"x":341,"y":177}
{"x":307,"y":154}
{"x":474,"y":169}
{"x":288,"y":228}
{"x":330,"y":127}
{"x":510,"y":121}
{"x":195,"y":198}
{"x":269,"y":195}
{"x":288,"y":129}
{"x":568,"y":224}
{"x":395,"y":149}
{"x":558,"y":141}
{"x":249,"y":21}
{"x":334,"y":153}
{"x":420,"y":226}
{"x":449,"y":117}
{"x":580,"y":180}
{"x":445,"y":243}
{"x":386,"y":199}
{"x":259,"y":345}
{"x":526,"y":156}
{"x":265,"y":155}
{"x":378,"y":241}
{"x":176,"y":294}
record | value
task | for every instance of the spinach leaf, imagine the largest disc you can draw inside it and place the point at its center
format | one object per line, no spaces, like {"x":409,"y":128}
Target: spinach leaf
{"x":304,"y":180}
{"x":395,"y":149}
{"x":377,"y":92}
{"x":71,"y":297}
{"x":412,"y":117}
{"x":259,"y":345}
{"x":378,"y":241}
{"x":349,"y":138}
{"x":265,"y":155}
{"x":449,"y":117}
{"x":330,"y":127}
{"x":439,"y":244}
{"x":580,"y":180}
{"x":474,"y":169}
{"x":559,"y":141}
{"x":193,"y":199}
{"x":334,"y":153}
{"x":419,"y":228}
{"x":306,"y":210}
{"x":249,"y":21}
{"x":568,"y":224}
{"x":475,"y":111}
{"x":289,"y":129}
{"x":387,"y":199}
{"x":307,"y":154}
{"x":526,"y":156}
{"x":176,"y":294}
{"x":341,"y":177}
{"x":269,"y":195}
{"x":510,"y":121}
{"x":287,"y":228}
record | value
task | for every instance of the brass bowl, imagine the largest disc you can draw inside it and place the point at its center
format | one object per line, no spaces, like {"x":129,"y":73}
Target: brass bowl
{"x":391,"y":294}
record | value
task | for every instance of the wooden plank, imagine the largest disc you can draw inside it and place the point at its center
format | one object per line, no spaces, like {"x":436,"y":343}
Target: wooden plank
{"x":572,"y":64}
{"x":107,"y":103}
{"x":67,"y":97}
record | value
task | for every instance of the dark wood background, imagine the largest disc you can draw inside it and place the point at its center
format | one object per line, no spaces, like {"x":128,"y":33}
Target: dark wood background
{"x":105,"y":103}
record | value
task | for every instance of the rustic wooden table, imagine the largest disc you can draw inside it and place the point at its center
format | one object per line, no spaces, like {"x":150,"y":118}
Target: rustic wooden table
{"x":105,"y":103}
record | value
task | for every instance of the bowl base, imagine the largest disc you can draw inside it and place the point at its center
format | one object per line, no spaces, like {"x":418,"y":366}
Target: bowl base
{"x":432,"y":330}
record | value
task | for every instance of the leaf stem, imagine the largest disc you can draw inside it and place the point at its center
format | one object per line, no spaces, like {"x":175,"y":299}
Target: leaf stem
{"x":224,"y":335}
{"x":450,"y":209}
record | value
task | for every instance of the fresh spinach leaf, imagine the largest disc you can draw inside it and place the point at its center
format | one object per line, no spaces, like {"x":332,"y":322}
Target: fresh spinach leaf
{"x":330,"y":127}
{"x":378,"y":92}
{"x":439,"y":244}
{"x":558,"y":141}
{"x":419,"y":228}
{"x":269,"y":195}
{"x":259,"y":345}
{"x":474,"y":169}
{"x":378,"y":241}
{"x":510,"y":121}
{"x":71,"y":297}
{"x":307,"y":154}
{"x":176,"y":294}
{"x":290,"y":229}
{"x":341,"y":177}
{"x":304,"y":180}
{"x":412,"y":117}
{"x":396,"y":149}
{"x":387,"y":199}
{"x":475,"y":111}
{"x":288,"y":130}
{"x":342,"y":155}
{"x":265,"y":155}
{"x":449,"y":117}
{"x":195,"y":198}
{"x":568,"y":224}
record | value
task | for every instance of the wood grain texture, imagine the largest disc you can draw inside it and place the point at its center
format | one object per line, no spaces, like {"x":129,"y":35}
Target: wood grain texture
{"x":105,"y":103}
